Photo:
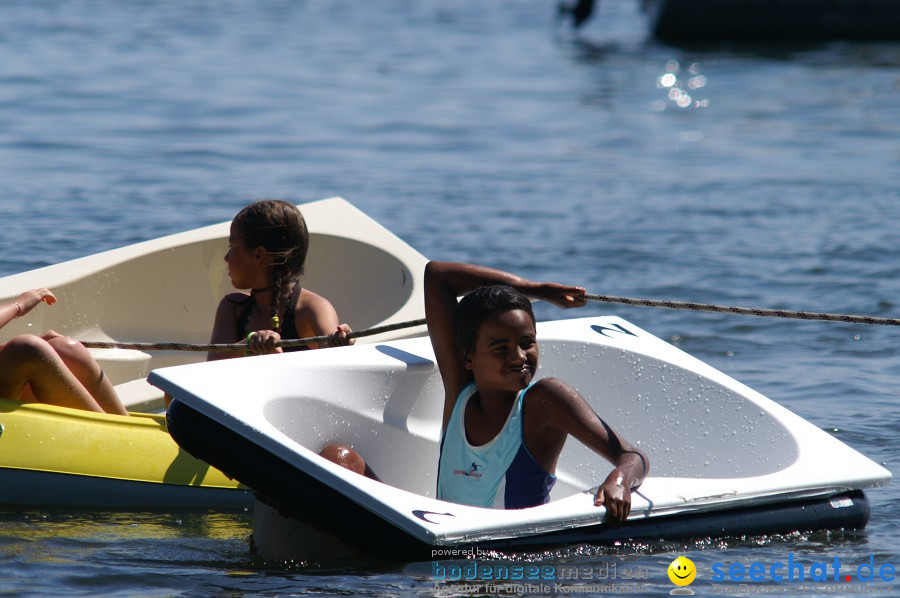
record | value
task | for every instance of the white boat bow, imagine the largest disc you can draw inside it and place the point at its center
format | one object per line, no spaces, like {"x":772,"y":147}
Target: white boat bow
{"x":167,"y":290}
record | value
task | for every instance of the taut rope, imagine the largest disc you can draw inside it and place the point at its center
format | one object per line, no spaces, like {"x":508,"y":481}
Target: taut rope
{"x":298,"y":342}
{"x":749,"y":311}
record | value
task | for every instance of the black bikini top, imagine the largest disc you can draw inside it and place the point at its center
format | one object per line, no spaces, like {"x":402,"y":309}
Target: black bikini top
{"x":288,"y":323}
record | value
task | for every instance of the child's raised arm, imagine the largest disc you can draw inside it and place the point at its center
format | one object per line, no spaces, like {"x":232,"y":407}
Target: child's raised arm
{"x":445,"y":282}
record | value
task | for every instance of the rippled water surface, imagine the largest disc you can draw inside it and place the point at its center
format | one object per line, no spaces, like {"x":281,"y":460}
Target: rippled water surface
{"x":749,"y":175}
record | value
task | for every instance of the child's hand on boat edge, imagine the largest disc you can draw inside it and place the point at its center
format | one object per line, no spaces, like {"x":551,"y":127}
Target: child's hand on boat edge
{"x":615,"y":495}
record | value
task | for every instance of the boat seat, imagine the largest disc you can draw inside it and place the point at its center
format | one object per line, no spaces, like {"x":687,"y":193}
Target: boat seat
{"x":121,"y":365}
{"x":141,"y":396}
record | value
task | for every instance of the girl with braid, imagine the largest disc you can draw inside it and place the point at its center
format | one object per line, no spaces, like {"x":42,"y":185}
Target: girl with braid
{"x":267,"y":249}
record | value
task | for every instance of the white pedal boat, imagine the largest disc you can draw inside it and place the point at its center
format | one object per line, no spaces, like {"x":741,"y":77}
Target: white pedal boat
{"x":724,"y":459}
{"x":167,"y":290}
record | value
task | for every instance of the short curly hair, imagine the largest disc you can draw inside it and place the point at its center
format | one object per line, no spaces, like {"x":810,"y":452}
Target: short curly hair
{"x":479,"y":305}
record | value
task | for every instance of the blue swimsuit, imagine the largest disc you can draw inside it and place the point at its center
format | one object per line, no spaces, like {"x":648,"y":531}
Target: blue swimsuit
{"x":500,"y":474}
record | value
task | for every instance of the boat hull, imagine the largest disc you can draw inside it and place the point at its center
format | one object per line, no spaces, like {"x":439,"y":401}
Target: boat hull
{"x":59,"y":457}
{"x":725,"y":460}
{"x":301,"y":504}
{"x":767,"y":20}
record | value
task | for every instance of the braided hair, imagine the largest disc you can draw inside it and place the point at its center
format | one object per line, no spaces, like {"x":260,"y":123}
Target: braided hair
{"x":278,"y":226}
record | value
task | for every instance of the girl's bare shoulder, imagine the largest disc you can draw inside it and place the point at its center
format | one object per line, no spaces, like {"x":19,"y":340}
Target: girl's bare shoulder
{"x":554,"y":387}
{"x":309,"y":300}
{"x":553,"y":396}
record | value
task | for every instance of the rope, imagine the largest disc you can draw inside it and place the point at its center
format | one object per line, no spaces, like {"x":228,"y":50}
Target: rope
{"x":749,"y":311}
{"x":300,"y":342}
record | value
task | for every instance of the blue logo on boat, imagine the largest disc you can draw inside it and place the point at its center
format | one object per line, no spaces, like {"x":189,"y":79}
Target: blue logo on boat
{"x":617,"y":328}
{"x":423,"y":515}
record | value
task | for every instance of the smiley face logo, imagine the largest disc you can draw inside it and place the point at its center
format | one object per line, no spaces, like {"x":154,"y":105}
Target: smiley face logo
{"x":682,"y":571}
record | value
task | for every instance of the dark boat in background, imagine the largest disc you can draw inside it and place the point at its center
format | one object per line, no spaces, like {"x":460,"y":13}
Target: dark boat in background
{"x":762,"y":20}
{"x":788,"y":20}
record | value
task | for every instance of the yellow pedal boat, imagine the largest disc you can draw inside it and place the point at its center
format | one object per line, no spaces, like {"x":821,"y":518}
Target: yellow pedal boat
{"x":55,"y":456}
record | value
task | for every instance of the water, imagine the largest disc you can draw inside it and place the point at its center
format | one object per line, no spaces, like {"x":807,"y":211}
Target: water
{"x":760,"y":176}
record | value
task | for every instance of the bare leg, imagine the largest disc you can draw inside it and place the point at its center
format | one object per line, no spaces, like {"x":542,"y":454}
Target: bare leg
{"x":86,"y":369}
{"x":29,"y":362}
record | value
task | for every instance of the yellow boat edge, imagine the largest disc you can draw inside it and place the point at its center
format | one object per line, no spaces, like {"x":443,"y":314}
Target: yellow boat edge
{"x":138,"y":448}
